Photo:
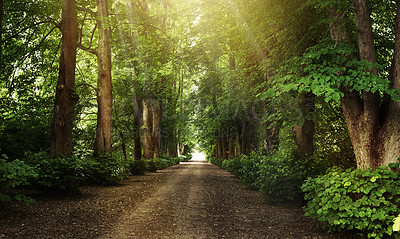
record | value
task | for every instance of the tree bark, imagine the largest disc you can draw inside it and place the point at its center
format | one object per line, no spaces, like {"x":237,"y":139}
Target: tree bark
{"x":137,"y":124}
{"x":151,"y":128}
{"x":374,"y":133}
{"x":157,"y":117}
{"x":65,"y":99}
{"x":304,"y":133}
{"x":390,"y":132}
{"x":148,"y":148}
{"x":102,"y":143}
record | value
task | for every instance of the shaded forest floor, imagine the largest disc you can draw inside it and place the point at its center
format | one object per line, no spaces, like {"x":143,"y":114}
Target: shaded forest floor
{"x":190,"y":200}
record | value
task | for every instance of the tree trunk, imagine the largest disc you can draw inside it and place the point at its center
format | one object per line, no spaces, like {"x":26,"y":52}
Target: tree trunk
{"x":65,"y":99}
{"x":148,"y":148}
{"x":243,"y":137}
{"x":374,"y":144}
{"x":157,"y":116}
{"x":137,"y":125}
{"x":171,"y":143}
{"x":231,"y":149}
{"x":104,"y":86}
{"x":304,"y":133}
{"x":151,"y":128}
{"x":238,"y":145}
{"x":390,"y":132}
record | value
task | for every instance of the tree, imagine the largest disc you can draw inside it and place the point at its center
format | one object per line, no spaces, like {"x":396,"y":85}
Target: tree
{"x":373,"y":126}
{"x":102,"y":143}
{"x":65,"y":100}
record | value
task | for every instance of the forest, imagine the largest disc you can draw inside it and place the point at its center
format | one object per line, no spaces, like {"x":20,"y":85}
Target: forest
{"x":297,"y":98}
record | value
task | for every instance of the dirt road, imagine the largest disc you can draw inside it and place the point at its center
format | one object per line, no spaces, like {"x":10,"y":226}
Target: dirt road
{"x":190,"y":200}
{"x":199,"y":200}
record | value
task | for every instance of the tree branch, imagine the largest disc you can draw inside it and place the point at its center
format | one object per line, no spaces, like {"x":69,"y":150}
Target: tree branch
{"x":36,"y":47}
{"x":83,"y":9}
{"x":87,"y":49}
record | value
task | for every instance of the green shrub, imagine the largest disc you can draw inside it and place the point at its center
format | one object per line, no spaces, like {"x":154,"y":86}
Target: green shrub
{"x":104,"y":169}
{"x":251,"y":172}
{"x":363,"y":200}
{"x":282,"y":175}
{"x":53,"y":173}
{"x":137,"y":167}
{"x":14,"y":174}
{"x":215,"y":161}
{"x":278,"y":175}
{"x":232,"y":165}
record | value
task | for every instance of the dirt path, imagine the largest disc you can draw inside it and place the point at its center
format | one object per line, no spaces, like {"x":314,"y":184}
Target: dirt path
{"x":190,"y":200}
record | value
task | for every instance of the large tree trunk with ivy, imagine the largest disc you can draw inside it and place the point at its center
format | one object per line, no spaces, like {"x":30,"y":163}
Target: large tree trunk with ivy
{"x":374,"y":131}
{"x":66,"y":99}
{"x":102,"y":143}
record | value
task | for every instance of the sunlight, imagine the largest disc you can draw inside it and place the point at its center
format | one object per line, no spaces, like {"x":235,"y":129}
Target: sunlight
{"x":197,"y":158}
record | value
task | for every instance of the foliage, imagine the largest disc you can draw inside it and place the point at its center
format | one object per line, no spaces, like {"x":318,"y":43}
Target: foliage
{"x":363,"y":200}
{"x":52,"y":173}
{"x":104,"y":169}
{"x":279,"y":175}
{"x":396,"y":224}
{"x":332,"y":140}
{"x":324,"y":68}
{"x":12,"y":175}
{"x":216,"y":161}
{"x":138,"y":167}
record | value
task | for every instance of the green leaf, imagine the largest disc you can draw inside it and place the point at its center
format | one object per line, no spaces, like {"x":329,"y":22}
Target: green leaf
{"x":396,"y":225}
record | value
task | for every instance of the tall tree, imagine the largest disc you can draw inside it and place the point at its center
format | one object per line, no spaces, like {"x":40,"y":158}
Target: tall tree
{"x":374,"y":127}
{"x":66,"y":99}
{"x":104,"y":84}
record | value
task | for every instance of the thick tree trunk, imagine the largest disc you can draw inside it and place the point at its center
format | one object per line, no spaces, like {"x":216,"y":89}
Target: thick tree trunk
{"x":137,"y":125}
{"x":170,"y":143}
{"x":151,"y":128}
{"x":231,"y":149}
{"x":104,"y":86}
{"x":65,"y":100}
{"x":243,"y":137}
{"x":376,"y":141}
{"x":148,"y":148}
{"x":157,"y":117}
{"x":238,"y":145}
{"x":390,"y":132}
{"x":304,"y":133}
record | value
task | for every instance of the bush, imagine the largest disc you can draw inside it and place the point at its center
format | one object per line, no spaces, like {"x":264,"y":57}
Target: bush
{"x":14,"y":174}
{"x":139,"y":167}
{"x":282,"y":175}
{"x":278,"y":175}
{"x":362,"y":200}
{"x":53,"y":173}
{"x":215,"y":161}
{"x":103,"y":169}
